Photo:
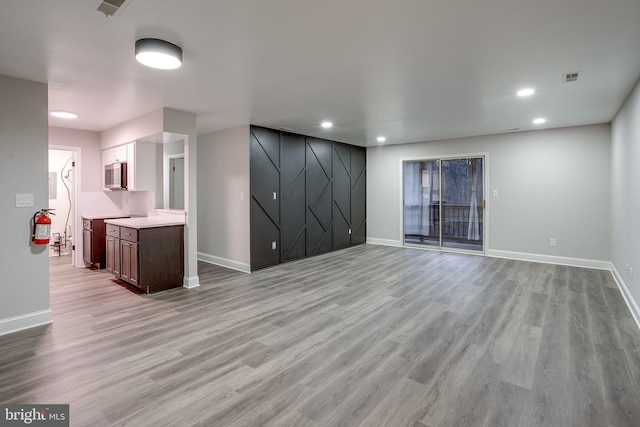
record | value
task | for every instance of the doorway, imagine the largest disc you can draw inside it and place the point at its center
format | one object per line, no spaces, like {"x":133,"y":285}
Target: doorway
{"x":176,"y":183}
{"x":443,"y":203}
{"x":62,"y":202}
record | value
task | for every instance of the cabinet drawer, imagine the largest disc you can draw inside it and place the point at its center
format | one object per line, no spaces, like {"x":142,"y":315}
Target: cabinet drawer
{"x":129,"y":234}
{"x":113,"y":231}
{"x":86,"y":224}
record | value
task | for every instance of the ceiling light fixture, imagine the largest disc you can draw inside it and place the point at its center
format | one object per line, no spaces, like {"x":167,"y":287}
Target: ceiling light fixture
{"x":156,"y":53}
{"x":526,"y":92}
{"x":381,"y":139}
{"x":539,"y":121}
{"x":64,"y":114}
{"x":326,"y":124}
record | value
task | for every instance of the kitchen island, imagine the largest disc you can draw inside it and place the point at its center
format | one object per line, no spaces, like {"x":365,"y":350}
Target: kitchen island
{"x":146,"y":252}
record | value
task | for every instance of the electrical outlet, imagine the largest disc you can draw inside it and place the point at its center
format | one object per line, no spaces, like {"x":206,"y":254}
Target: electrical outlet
{"x":552,"y":243}
{"x":631,"y":273}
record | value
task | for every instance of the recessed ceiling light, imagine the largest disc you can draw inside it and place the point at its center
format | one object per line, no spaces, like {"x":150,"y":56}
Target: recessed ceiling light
{"x":526,"y":92}
{"x":381,"y":139}
{"x":326,"y":124}
{"x":539,"y":121}
{"x":64,"y":114}
{"x":156,"y":53}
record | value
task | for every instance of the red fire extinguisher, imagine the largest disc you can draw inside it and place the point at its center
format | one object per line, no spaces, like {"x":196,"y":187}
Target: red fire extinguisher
{"x":41,"y":227}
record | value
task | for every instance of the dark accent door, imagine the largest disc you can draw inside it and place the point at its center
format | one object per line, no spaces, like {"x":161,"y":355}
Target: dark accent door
{"x":358,"y":195}
{"x":265,"y":197}
{"x":341,"y":196}
{"x":292,"y":202}
{"x":319,"y":196}
{"x":308,"y":196}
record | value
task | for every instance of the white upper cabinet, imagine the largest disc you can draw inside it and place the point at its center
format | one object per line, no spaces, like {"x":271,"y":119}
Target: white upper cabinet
{"x":142,"y":164}
{"x":114,"y":155}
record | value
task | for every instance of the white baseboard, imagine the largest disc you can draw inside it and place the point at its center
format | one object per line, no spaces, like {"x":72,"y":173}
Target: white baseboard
{"x":626,"y":294}
{"x":26,"y":321}
{"x":550,"y":259}
{"x":190,"y":282}
{"x":383,"y":242}
{"x":224,"y":262}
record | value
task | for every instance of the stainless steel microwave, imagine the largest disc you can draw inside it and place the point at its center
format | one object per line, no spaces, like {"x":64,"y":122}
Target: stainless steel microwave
{"x":115,"y":176}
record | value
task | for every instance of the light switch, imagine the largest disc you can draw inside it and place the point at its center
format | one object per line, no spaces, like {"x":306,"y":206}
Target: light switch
{"x":273,"y":245}
{"x":242,"y":196}
{"x":349,"y":231}
{"x":24,"y":200}
{"x":495,"y":193}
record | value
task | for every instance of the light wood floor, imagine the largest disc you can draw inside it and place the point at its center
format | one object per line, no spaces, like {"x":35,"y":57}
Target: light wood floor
{"x":369,"y":336}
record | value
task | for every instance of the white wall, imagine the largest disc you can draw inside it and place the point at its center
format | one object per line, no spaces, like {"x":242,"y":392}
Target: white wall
{"x":625,"y":198}
{"x":24,"y":288}
{"x":91,"y":160}
{"x":140,"y":127}
{"x":552,"y":184}
{"x":169,"y":150}
{"x":223,"y":194}
{"x":183,"y":123}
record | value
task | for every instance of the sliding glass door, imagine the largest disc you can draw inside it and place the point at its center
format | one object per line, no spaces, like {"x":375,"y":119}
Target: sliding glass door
{"x":444,"y":203}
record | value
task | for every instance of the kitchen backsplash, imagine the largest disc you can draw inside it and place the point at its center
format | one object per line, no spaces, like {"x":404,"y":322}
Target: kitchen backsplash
{"x":140,"y":203}
{"x":135,"y":203}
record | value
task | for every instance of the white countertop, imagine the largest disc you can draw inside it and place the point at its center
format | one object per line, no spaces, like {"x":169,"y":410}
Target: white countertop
{"x":148,"y":221}
{"x":104,"y":216}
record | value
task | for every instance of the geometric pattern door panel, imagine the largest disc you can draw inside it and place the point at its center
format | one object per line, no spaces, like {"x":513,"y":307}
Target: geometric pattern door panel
{"x":358,"y":195}
{"x":341,"y":196}
{"x":265,"y":197}
{"x":319,"y":214}
{"x":307,"y":196}
{"x":263,"y":233}
{"x":292,"y":200}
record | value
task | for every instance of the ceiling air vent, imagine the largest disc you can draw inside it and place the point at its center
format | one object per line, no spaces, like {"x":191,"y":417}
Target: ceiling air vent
{"x":570,"y":77}
{"x":110,"y":7}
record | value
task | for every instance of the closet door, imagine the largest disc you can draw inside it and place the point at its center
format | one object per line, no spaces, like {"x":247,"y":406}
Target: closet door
{"x":292,"y":188}
{"x":319,"y":196}
{"x":265,"y":197}
{"x":358,"y":195}
{"x":341,"y":196}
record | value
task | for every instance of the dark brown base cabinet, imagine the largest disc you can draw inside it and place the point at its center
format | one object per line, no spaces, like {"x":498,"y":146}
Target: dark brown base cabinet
{"x":93,"y":241}
{"x":152,"y":259}
{"x":308,"y":196}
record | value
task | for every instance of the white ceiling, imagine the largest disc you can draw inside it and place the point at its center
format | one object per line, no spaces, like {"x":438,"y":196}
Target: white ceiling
{"x":412,"y":70}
